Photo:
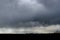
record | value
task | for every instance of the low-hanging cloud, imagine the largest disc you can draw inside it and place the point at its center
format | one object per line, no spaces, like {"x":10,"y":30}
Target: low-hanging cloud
{"x":37,"y":29}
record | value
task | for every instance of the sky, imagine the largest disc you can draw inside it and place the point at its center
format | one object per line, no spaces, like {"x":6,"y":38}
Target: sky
{"x":29,"y":13}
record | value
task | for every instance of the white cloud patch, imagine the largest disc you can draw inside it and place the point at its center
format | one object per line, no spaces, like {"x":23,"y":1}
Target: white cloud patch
{"x":40,"y":29}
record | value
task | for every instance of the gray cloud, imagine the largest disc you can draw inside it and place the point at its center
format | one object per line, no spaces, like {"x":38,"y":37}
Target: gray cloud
{"x":53,"y":15}
{"x":28,"y":12}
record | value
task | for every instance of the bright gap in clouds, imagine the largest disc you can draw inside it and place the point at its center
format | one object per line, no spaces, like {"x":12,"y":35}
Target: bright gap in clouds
{"x":41,"y":29}
{"x":33,"y":4}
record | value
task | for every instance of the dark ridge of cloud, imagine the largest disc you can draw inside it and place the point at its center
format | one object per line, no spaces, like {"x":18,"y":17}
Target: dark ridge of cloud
{"x":54,"y":16}
{"x":29,"y":13}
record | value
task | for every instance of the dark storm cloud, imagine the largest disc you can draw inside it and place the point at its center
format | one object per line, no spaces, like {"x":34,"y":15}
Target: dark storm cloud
{"x":28,"y":12}
{"x":53,"y":16}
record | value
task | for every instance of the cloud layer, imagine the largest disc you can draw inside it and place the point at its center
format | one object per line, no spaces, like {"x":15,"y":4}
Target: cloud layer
{"x":29,"y":12}
{"x":29,"y":16}
{"x":37,"y":29}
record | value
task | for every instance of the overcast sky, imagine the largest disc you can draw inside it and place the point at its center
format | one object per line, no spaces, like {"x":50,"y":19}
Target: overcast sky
{"x":13,"y":12}
{"x":29,"y":13}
